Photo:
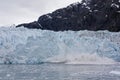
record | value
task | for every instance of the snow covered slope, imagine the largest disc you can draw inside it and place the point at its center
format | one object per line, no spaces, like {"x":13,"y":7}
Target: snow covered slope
{"x":27,"y":46}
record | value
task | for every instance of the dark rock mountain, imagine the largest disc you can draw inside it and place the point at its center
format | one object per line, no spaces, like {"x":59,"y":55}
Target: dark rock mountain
{"x":87,"y":15}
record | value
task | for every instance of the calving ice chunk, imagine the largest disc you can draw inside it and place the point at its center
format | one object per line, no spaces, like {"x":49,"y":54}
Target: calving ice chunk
{"x":35,"y":46}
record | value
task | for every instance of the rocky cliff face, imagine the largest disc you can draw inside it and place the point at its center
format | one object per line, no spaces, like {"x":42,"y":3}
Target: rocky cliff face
{"x":87,"y":15}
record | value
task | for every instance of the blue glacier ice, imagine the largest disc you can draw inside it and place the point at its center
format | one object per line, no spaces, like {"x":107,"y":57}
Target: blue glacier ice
{"x":33,"y":46}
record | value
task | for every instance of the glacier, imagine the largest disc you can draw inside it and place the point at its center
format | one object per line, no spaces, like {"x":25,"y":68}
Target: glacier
{"x":35,"y":46}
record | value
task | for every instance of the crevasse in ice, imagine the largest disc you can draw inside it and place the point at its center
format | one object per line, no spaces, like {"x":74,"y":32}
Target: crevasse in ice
{"x":32,"y":46}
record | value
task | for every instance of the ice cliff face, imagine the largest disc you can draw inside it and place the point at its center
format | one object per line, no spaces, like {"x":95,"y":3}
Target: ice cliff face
{"x":27,"y":46}
{"x":88,"y":15}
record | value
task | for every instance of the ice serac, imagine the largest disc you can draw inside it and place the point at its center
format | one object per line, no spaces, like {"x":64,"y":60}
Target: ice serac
{"x":34,"y":46}
{"x":87,"y":15}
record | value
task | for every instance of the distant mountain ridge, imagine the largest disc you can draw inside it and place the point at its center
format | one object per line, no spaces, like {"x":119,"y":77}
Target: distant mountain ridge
{"x":87,"y":15}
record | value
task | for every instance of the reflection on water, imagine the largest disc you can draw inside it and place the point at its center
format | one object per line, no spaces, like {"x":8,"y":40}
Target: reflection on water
{"x":58,"y":72}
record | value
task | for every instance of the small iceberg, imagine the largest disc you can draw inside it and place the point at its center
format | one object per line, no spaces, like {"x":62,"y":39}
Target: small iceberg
{"x":115,"y":72}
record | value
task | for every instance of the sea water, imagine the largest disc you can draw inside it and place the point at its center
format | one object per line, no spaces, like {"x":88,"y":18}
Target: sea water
{"x":60,"y":72}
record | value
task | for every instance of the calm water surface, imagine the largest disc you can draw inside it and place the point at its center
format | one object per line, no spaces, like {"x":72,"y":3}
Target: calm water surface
{"x":59,"y":72}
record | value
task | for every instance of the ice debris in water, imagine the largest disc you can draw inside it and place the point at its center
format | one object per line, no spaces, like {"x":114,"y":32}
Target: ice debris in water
{"x":115,"y":72}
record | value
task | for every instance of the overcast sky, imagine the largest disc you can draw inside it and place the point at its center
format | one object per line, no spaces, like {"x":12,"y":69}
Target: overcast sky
{"x":20,"y":11}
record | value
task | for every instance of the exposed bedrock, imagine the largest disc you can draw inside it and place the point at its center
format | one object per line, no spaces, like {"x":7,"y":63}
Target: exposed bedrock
{"x":87,"y":15}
